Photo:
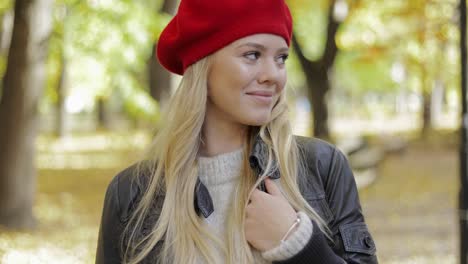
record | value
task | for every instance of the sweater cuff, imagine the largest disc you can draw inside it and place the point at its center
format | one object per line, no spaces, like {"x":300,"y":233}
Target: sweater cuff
{"x":294,"y":244}
{"x":317,"y":250}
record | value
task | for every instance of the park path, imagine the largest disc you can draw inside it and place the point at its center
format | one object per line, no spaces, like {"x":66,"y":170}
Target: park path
{"x":411,"y":208}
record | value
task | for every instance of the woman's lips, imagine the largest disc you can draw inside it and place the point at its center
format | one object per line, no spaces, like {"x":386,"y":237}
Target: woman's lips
{"x":261,"y":97}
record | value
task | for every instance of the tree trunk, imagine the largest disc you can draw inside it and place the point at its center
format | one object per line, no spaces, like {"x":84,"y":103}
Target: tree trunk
{"x":159,"y":77}
{"x":426,"y":113}
{"x":426,"y":102}
{"x":60,"y":127}
{"x":316,"y":73}
{"x":320,"y":105}
{"x":103,"y":117}
{"x":23,"y":84}
{"x":169,"y":6}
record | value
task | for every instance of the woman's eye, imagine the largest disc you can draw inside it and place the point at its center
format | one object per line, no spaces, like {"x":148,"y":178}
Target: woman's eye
{"x":283,"y":58}
{"x":252,"y":55}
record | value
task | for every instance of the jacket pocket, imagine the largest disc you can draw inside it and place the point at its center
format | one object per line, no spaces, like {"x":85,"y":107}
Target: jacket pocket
{"x":320,"y":205}
{"x":357,"y":239}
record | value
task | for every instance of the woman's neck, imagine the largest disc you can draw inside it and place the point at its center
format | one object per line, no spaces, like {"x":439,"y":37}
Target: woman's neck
{"x":221,"y":136}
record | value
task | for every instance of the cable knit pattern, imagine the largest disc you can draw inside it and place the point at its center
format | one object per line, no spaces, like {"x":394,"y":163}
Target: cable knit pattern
{"x":220,"y":174}
{"x":295,"y":243}
{"x":221,"y":169}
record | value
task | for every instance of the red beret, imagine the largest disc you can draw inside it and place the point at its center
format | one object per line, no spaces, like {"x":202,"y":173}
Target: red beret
{"x":202,"y":27}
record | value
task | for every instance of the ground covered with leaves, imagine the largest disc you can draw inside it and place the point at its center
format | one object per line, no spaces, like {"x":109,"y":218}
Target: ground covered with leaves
{"x":410,"y":208}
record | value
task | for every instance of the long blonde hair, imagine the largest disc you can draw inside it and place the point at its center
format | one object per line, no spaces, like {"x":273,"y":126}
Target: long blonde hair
{"x":173,"y":173}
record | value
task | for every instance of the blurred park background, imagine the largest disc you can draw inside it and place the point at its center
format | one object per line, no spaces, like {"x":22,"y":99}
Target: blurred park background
{"x":81,"y":96}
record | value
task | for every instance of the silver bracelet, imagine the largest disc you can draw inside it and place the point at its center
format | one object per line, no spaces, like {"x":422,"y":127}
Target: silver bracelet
{"x":296,"y":222}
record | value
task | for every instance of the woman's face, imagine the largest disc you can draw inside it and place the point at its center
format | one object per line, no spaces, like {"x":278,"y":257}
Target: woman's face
{"x":246,"y":79}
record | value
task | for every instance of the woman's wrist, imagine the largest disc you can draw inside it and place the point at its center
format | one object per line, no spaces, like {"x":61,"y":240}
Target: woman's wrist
{"x":295,"y":242}
{"x":291,"y":229}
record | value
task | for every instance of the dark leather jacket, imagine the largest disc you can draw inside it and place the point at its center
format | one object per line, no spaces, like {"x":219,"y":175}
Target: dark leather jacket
{"x":328,"y":186}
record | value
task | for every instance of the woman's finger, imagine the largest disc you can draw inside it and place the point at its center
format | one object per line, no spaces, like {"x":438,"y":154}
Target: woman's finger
{"x":256,"y":195}
{"x":272,"y":188}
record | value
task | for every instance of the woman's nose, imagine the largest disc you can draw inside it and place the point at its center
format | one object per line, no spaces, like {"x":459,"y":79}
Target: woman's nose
{"x":269,"y":72}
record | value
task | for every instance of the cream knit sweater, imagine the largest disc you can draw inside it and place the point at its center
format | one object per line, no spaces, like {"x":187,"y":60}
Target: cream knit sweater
{"x":220,"y":174}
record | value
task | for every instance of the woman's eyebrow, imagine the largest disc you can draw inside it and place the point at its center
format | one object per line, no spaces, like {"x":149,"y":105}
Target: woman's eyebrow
{"x":261,"y":47}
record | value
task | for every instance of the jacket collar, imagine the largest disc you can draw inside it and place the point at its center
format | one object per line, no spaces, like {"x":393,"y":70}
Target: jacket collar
{"x":258,"y":159}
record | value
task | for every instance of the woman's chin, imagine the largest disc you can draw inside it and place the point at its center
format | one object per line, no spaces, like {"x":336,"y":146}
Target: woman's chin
{"x":258,"y":121}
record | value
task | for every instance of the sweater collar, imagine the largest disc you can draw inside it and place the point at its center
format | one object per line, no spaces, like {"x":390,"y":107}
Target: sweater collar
{"x":258,"y":159}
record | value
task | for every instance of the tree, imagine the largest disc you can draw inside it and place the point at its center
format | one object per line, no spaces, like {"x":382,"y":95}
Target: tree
{"x":159,"y":77}
{"x":57,"y":52}
{"x":60,"y":111}
{"x":412,"y":34}
{"x":107,"y":45}
{"x":316,"y":73}
{"x":22,"y":87}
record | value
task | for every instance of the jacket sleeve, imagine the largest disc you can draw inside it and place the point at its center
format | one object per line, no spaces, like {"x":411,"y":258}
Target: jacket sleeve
{"x":111,"y":227}
{"x":352,"y":239}
{"x":352,"y":242}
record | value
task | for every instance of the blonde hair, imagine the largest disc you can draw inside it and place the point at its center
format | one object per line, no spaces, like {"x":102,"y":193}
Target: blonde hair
{"x":173,"y":173}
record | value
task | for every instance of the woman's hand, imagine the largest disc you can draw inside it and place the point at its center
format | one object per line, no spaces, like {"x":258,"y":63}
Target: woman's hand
{"x":268,"y":217}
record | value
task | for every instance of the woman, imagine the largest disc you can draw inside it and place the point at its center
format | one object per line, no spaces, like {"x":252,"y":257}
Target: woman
{"x":225,"y":180}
